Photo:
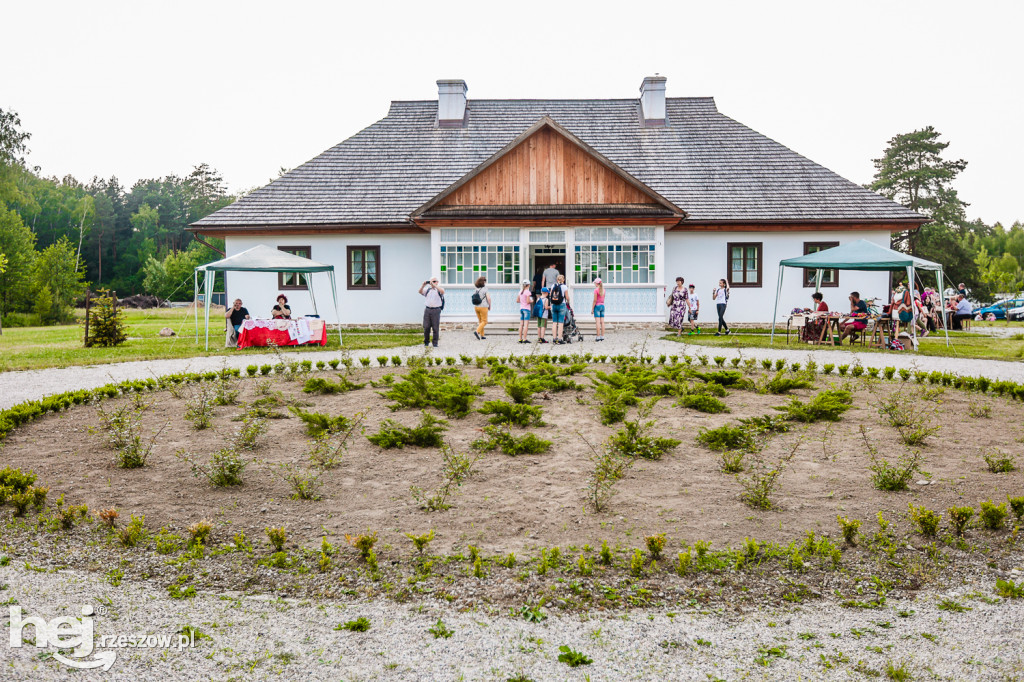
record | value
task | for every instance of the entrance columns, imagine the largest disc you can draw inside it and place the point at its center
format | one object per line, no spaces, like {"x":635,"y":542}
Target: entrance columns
{"x":525,"y":258}
{"x":570,"y":257}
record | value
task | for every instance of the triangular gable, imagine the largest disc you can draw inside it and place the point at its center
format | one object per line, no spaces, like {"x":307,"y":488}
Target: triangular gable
{"x":547,"y":166}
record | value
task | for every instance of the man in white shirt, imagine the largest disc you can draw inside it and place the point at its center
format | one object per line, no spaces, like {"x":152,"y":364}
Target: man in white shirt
{"x":964,"y":311}
{"x":694,"y":310}
{"x":434,"y":296}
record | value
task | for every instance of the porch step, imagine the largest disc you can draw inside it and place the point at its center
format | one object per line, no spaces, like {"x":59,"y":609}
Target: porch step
{"x":586,"y":328}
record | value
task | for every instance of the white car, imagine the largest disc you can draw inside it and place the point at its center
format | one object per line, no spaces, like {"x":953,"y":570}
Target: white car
{"x":1015,"y":315}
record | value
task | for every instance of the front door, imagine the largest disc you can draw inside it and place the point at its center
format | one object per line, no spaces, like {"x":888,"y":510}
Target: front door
{"x":542,"y":260}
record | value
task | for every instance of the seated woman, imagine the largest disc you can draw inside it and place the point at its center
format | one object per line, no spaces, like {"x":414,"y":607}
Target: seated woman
{"x":815,"y":325}
{"x":281,"y":311}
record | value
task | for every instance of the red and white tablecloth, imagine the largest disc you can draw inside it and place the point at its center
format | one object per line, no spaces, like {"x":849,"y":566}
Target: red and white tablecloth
{"x":282,"y":332}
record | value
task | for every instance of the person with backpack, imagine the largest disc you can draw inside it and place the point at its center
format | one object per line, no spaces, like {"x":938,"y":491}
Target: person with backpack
{"x":481,"y":301}
{"x":542,"y":311}
{"x":721,"y":296}
{"x":525,"y":309}
{"x":434,"y":296}
{"x":559,"y":299}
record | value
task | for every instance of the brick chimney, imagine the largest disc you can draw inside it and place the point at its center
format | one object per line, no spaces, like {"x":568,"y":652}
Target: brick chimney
{"x":652,"y":101}
{"x":451,"y":103}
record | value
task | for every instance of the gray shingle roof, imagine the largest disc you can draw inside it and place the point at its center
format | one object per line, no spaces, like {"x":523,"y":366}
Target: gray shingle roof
{"x":711,"y":166}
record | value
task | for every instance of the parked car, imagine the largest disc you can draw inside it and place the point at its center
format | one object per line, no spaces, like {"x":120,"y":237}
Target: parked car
{"x":1015,"y":314}
{"x":999,"y":308}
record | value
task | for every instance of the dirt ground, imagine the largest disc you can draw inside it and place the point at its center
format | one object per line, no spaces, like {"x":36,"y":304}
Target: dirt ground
{"x":522,"y":503}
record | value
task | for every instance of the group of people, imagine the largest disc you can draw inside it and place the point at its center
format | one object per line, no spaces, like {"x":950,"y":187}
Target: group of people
{"x":546,"y":298}
{"x":684,"y":307}
{"x":907,"y":309}
{"x":238,"y":314}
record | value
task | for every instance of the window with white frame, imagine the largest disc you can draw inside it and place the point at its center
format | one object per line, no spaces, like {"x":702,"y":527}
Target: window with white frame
{"x":618,"y":255}
{"x":468,"y":253}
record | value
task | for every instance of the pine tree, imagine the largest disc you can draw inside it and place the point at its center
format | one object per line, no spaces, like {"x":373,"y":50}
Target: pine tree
{"x":106,"y":321}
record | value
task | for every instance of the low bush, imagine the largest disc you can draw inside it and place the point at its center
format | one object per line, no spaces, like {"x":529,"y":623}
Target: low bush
{"x":427,"y":434}
{"x":1017,"y":507}
{"x":727,"y":438}
{"x":513,"y":414}
{"x":224,"y":469}
{"x":732,"y":461}
{"x":610,"y":466}
{"x":615,"y":403}
{"x":323,"y":386}
{"x":993,"y":516}
{"x":446,"y":390}
{"x":894,"y":477}
{"x":702,"y":402}
{"x":320,"y":424}
{"x":277,"y":537}
{"x":849,"y":528}
{"x":1007,"y":589}
{"x":634,"y":439}
{"x":781,"y":384}
{"x":959,"y":517}
{"x":999,"y":462}
{"x":829,"y":405}
{"x":455,"y":468}
{"x":501,"y":437}
{"x":766,"y":424}
{"x":927,"y":521}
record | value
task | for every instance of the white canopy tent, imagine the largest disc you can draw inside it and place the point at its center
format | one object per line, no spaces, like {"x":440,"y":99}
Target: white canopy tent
{"x":262,"y":258}
{"x":860,"y":255}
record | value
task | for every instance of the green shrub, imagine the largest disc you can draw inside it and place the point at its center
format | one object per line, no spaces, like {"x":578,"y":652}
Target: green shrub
{"x":446,"y":390}
{"x":319,"y":424}
{"x":252,"y":370}
{"x":993,"y":516}
{"x":732,"y":461}
{"x":427,"y":434}
{"x":107,"y":326}
{"x":1007,"y":589}
{"x":521,"y":389}
{"x":904,"y":374}
{"x":849,"y":528}
{"x":614,"y":403}
{"x":323,"y":386}
{"x":727,"y":438}
{"x":572,"y":658}
{"x":894,"y":477}
{"x":927,"y":520}
{"x":702,"y":403}
{"x":511,"y":413}
{"x":828,"y":405}
{"x":857,"y":370}
{"x":224,"y":469}
{"x":780,"y":365}
{"x":358,"y":625}
{"x":723,"y":377}
{"x":766,"y":364}
{"x":265,"y":370}
{"x":959,"y":517}
{"x":769,"y":423}
{"x":890,"y":372}
{"x":16,"y":480}
{"x":843,"y":369}
{"x":396,"y":360}
{"x":1017,"y":507}
{"x":130,"y":534}
{"x":999,"y":462}
{"x":781,"y":384}
{"x":501,"y":437}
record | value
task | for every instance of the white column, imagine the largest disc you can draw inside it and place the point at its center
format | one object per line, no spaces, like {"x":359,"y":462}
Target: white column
{"x":525,"y":269}
{"x":570,"y":257}
{"x":659,"y":268}
{"x":435,"y":253}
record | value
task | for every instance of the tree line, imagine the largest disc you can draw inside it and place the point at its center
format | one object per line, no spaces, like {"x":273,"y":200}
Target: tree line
{"x":58,"y":234}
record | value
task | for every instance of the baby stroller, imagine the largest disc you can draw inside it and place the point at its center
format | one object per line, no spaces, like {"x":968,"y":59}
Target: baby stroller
{"x":569,"y":330}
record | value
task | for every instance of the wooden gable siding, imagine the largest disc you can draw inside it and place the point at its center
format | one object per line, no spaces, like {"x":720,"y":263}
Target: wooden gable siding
{"x":546,"y":168}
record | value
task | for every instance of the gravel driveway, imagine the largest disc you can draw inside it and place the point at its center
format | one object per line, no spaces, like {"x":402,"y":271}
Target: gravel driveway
{"x":269,"y":638}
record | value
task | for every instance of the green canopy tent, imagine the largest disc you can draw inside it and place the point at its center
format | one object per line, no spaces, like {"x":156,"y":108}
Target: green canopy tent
{"x":859,"y":255}
{"x":261,"y":258}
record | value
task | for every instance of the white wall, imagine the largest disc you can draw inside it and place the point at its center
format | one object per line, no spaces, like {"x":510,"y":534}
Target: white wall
{"x":700,"y":257}
{"x":404,"y":264}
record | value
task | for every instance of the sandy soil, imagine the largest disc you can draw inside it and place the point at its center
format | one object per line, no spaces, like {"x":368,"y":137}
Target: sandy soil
{"x":521,"y":503}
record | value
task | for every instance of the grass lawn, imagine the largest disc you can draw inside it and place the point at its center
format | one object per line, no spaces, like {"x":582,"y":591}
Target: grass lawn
{"x":961,"y":344}
{"x":40,"y":347}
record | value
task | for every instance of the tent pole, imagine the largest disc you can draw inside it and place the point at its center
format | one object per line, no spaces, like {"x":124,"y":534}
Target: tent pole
{"x":942,"y":303}
{"x":817,"y":280}
{"x":913,"y":308}
{"x":195,"y":299}
{"x":207,"y":284}
{"x":775,"y":310}
{"x":334,"y":292}
{"x":309,"y":285}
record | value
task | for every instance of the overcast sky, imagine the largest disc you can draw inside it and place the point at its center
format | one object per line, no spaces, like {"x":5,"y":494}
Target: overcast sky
{"x":146,"y":89}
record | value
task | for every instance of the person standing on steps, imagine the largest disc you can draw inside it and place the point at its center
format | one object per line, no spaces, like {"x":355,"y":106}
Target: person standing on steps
{"x":559,"y":299}
{"x":694,"y":310}
{"x":597,"y":308}
{"x":542,"y":311}
{"x":481,"y":301}
{"x":434,"y":300}
{"x":721,"y":296}
{"x":550,"y":277}
{"x":525,"y":310}
{"x":678,"y":303}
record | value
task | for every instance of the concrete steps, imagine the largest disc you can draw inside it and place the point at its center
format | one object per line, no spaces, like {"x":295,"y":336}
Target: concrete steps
{"x":512,"y":329}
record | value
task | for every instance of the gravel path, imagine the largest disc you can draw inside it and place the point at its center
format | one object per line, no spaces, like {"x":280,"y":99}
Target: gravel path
{"x":16,"y":387}
{"x":267,"y":638}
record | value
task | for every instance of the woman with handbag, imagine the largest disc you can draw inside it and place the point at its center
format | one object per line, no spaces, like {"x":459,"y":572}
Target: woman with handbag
{"x":481,"y":301}
{"x":678,"y":303}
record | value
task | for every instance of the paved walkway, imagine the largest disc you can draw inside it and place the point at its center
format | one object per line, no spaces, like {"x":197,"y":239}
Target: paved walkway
{"x":16,"y":387}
